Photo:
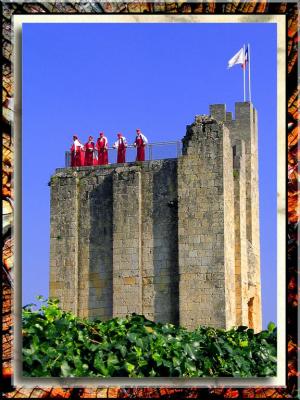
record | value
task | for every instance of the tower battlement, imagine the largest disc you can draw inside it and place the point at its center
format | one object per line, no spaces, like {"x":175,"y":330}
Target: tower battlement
{"x":169,"y":239}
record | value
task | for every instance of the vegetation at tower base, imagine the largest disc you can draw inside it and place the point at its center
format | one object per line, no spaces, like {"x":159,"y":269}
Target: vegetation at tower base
{"x":56,"y":343}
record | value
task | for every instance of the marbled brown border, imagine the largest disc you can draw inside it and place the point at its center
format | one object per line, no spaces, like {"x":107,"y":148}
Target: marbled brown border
{"x":237,"y":7}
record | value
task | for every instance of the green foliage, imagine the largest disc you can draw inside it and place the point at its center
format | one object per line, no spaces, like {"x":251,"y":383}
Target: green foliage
{"x":236,"y":173}
{"x":56,"y":343}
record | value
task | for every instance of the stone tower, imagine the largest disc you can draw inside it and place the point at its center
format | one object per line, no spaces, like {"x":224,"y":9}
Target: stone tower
{"x":244,"y":139}
{"x":176,"y":240}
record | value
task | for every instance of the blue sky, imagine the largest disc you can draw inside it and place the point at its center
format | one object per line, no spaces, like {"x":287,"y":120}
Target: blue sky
{"x":86,"y":78}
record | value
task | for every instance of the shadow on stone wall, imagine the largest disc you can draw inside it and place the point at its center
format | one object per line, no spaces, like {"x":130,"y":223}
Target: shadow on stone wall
{"x":101,"y":250}
{"x":165,"y":244}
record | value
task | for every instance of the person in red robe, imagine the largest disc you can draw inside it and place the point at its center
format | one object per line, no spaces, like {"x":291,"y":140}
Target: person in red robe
{"x":102,"y":147}
{"x":140,"y":143}
{"x":121,"y":145}
{"x":89,"y":148}
{"x":76,"y":153}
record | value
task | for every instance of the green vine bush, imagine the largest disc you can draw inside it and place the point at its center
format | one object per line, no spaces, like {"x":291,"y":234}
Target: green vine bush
{"x":58,"y":344}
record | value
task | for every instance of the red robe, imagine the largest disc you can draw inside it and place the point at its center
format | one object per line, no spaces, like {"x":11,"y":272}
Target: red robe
{"x":140,"y":147}
{"x":89,"y":153}
{"x":121,"y":151}
{"x":76,"y":156}
{"x":102,"y":151}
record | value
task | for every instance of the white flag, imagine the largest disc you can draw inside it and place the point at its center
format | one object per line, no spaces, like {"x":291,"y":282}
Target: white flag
{"x":238,"y":58}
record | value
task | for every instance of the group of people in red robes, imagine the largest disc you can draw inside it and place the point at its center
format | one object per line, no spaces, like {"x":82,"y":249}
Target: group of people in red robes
{"x":84,"y":155}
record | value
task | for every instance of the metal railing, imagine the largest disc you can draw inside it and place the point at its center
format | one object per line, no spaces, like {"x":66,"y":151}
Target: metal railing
{"x":153,"y":151}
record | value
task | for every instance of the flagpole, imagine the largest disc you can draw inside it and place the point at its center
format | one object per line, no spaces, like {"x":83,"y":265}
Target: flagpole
{"x":244,"y":73}
{"x":249,"y":80}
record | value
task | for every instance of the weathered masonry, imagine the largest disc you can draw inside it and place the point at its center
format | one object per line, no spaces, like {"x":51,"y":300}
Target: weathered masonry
{"x":176,"y":240}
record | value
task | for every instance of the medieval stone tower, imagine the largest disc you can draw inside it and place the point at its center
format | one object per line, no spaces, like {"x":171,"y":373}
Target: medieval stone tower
{"x":176,"y":240}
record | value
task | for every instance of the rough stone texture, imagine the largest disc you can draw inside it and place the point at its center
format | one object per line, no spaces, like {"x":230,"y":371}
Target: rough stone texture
{"x":229,"y":231}
{"x":127,"y":271}
{"x":241,"y":252}
{"x":206,"y":250}
{"x":114,"y":240}
{"x":98,"y":196}
{"x":244,"y":127}
{"x":64,"y":240}
{"x":81,"y":241}
{"x":161,"y":241}
{"x":176,"y":240}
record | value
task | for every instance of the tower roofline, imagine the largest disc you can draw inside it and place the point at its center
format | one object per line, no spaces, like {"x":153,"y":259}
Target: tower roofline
{"x":219,"y":112}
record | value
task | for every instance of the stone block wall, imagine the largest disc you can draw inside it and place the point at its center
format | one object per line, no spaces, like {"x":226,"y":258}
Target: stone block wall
{"x":81,"y":241}
{"x":206,"y":249}
{"x":244,"y":127}
{"x":229,"y":231}
{"x":64,"y":241}
{"x":241,"y":256}
{"x":127,"y":271}
{"x":176,"y":240}
{"x":98,"y":237}
{"x":160,"y":242}
{"x":114,"y":240}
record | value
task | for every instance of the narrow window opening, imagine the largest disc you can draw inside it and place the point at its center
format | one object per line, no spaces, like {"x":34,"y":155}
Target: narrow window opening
{"x":233,"y":155}
{"x":234,"y":150}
